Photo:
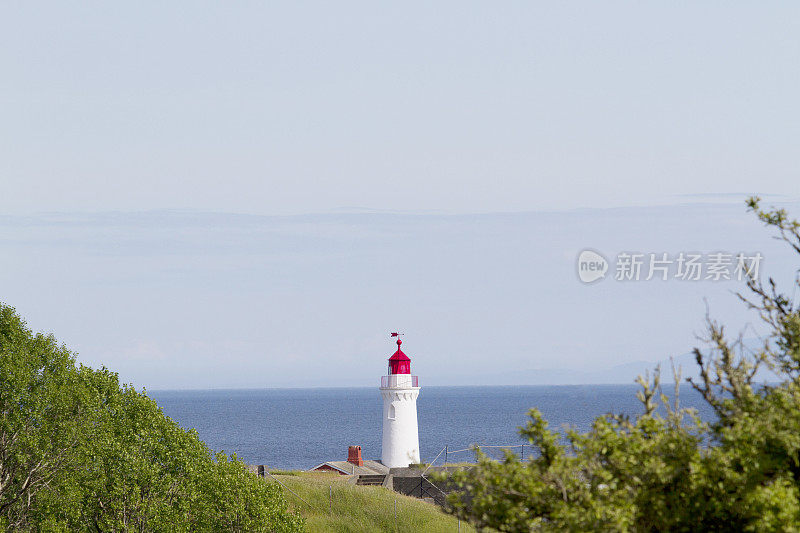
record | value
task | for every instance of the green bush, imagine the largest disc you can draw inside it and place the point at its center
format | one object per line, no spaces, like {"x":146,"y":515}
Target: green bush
{"x":78,"y":451}
{"x":669,"y":472}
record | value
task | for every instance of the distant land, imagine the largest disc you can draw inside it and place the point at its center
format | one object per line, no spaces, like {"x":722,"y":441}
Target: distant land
{"x":621,"y":374}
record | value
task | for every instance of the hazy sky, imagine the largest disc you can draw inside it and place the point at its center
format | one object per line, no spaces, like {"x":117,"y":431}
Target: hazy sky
{"x":190,"y":299}
{"x":296,"y":107}
{"x":238,"y":194}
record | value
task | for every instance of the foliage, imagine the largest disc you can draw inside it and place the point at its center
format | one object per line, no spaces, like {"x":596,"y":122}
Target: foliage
{"x":78,"y":451}
{"x":669,"y":472}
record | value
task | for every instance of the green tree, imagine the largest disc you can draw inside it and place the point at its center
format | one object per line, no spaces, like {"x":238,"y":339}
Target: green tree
{"x":80,"y":452}
{"x":43,"y":408}
{"x":666,"y":470}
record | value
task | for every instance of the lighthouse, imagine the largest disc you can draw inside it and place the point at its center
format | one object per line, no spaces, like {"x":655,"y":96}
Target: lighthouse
{"x":400,"y":432}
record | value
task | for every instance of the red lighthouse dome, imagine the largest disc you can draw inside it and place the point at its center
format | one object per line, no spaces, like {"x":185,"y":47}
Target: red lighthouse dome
{"x":399,"y":363}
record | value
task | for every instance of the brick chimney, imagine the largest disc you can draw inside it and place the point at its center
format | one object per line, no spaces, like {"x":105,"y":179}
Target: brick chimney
{"x":354,"y":455}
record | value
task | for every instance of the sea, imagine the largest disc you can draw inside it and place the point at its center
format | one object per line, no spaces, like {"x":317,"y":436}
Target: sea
{"x":297,"y":429}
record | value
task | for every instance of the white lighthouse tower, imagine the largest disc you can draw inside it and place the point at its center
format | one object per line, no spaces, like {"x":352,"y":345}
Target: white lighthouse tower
{"x":400,"y":432}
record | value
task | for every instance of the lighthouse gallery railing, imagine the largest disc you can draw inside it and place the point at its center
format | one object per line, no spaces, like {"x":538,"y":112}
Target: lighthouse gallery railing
{"x":399,"y":381}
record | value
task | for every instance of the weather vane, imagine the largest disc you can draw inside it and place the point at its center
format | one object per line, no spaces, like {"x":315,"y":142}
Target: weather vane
{"x":395,"y":334}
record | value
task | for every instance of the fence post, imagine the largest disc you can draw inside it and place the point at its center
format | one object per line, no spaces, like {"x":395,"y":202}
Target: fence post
{"x":445,"y":455}
{"x":523,"y":453}
{"x":330,"y":499}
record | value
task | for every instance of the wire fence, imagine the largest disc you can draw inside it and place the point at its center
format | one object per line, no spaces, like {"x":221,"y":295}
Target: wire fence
{"x":475,"y":447}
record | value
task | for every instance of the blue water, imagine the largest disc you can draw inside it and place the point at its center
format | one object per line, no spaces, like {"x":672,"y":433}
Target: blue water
{"x":300,"y":428}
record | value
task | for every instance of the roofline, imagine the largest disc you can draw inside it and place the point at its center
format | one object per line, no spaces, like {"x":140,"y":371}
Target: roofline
{"x":331,"y":466}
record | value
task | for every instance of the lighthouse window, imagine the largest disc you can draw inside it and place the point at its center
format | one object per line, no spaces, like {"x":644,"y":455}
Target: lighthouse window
{"x":391,"y":412}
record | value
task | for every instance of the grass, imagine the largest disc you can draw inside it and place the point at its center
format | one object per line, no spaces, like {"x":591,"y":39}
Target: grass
{"x":330,"y":504}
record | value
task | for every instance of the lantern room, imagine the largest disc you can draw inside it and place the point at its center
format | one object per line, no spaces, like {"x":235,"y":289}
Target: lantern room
{"x":399,"y":363}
